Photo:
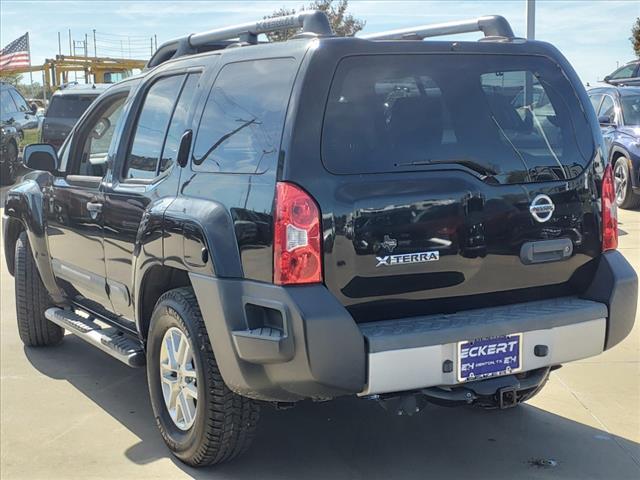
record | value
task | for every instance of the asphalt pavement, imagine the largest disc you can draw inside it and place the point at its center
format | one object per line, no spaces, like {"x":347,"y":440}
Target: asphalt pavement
{"x":72,"y":412}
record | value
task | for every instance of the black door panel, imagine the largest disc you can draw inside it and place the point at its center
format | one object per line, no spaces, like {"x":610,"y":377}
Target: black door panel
{"x":74,"y":230}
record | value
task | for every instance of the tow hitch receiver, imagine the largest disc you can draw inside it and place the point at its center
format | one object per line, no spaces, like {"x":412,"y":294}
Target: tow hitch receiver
{"x":507,"y":397}
{"x":499,"y":392}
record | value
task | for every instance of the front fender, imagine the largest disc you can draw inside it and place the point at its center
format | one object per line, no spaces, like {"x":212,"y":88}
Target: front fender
{"x":26,"y":203}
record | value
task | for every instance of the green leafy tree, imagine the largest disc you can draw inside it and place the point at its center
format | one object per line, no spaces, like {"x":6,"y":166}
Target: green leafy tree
{"x":635,"y":36}
{"x":31,"y":90}
{"x":12,"y":78}
{"x":344,"y":24}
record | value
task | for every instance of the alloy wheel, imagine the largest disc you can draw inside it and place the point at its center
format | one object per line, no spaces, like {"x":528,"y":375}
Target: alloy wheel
{"x":179,"y":378}
{"x":620,"y":179}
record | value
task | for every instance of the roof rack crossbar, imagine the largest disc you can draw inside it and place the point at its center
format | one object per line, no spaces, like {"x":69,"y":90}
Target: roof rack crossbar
{"x":310,"y":21}
{"x":491,"y":26}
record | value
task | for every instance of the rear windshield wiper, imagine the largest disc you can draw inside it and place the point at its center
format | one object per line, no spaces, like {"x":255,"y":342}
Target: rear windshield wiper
{"x":470,"y":164}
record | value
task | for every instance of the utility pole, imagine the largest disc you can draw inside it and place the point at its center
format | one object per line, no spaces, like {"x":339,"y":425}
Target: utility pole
{"x":531,"y":19}
{"x":95,"y":50}
{"x":530,"y":12}
{"x":70,"y":48}
{"x":59,"y":45}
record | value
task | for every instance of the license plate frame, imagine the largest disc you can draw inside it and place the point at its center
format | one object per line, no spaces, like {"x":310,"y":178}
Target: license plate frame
{"x":484,"y":362}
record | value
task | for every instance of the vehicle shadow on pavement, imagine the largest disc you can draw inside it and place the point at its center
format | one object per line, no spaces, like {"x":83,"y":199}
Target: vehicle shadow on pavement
{"x":355,"y":438}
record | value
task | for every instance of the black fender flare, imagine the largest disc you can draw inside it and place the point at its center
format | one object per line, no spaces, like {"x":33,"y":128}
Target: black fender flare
{"x":192,"y":225}
{"x":25,"y":203}
{"x":187,"y":234}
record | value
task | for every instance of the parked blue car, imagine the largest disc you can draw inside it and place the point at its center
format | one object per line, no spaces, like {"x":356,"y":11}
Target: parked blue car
{"x":618,"y":111}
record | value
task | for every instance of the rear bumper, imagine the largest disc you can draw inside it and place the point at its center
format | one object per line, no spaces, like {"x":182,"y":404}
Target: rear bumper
{"x":289,"y":343}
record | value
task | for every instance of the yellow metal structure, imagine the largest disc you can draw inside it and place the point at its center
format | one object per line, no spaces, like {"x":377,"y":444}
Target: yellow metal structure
{"x":55,"y":72}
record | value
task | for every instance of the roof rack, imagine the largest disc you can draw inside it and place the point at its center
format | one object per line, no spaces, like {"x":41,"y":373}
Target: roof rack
{"x":311,"y":21}
{"x":491,"y":26}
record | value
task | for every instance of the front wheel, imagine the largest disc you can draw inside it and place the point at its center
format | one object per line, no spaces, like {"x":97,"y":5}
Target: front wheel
{"x":32,"y":299}
{"x":625,"y":198}
{"x":200,"y":419}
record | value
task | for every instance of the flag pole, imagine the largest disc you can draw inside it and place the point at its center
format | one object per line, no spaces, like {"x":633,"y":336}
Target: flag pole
{"x":29,"y":50}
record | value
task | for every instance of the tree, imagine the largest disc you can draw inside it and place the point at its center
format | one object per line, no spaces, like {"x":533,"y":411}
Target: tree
{"x":30,"y":90}
{"x":635,"y":36}
{"x":343,"y":24}
{"x":12,"y":78}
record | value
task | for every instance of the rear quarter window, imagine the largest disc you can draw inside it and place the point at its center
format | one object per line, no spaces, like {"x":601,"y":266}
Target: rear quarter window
{"x":241,"y":125}
{"x":511,"y":119}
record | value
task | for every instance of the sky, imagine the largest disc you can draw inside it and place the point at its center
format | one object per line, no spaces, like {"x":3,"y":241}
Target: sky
{"x":592,"y":34}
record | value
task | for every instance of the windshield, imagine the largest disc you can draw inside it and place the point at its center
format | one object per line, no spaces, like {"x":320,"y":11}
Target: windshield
{"x":510,"y":119}
{"x":630,"y":109}
{"x":69,"y":106}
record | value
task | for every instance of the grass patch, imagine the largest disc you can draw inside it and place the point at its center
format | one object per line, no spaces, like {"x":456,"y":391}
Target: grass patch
{"x":30,"y":136}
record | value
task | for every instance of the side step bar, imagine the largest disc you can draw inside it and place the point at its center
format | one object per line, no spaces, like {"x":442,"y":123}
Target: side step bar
{"x":110,"y":340}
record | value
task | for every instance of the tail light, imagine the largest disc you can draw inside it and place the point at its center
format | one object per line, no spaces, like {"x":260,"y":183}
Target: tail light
{"x":609,"y":212}
{"x":297,"y":257}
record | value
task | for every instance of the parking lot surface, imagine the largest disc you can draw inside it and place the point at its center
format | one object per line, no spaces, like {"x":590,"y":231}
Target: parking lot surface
{"x":72,"y":412}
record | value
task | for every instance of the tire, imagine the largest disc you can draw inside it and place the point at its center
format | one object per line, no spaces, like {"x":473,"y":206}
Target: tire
{"x":32,"y":299}
{"x":9,"y":165}
{"x":625,"y":198}
{"x":224,"y":422}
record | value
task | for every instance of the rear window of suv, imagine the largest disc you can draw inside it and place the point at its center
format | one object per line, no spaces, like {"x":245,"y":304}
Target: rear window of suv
{"x":69,"y":106}
{"x":510,"y":119}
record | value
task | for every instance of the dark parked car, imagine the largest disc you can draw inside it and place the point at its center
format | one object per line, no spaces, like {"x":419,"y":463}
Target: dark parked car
{"x":65,"y":108}
{"x":400,"y":220}
{"x":628,"y":74}
{"x":618,"y":112}
{"x":17,"y":121}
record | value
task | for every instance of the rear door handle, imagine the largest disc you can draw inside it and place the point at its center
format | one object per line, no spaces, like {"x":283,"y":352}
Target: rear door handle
{"x":546,"y":251}
{"x":94,"y":209}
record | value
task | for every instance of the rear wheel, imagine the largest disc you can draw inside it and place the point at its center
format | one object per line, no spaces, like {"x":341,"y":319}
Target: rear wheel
{"x":625,"y":198}
{"x":200,"y":419}
{"x":9,"y":164}
{"x":32,"y":299}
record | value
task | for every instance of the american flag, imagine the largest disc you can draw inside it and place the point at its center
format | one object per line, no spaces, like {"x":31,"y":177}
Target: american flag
{"x":16,"y":54}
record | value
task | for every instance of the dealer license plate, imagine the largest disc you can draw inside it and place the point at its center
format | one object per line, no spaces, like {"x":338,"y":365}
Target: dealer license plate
{"x":489,"y":357}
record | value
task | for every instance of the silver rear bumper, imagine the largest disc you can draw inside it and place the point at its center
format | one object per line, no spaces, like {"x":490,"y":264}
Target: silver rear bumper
{"x":407,"y":356}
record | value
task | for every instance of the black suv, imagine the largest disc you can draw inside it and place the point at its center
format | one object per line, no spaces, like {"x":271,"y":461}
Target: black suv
{"x":17,"y":121}
{"x":404,"y":221}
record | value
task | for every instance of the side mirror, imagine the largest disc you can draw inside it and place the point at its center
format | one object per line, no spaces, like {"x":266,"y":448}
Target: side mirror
{"x":606,"y":79}
{"x":34,"y":108}
{"x":101,"y":128}
{"x":40,"y":156}
{"x":606,"y":121}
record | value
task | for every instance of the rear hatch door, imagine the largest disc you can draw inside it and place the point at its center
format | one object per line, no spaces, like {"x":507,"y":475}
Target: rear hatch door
{"x":455,"y":176}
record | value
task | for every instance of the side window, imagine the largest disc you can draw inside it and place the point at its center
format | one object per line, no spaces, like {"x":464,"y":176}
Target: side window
{"x":97,"y":136}
{"x":607,"y":108}
{"x":6,"y":103}
{"x":178,"y":123}
{"x":244,"y":116}
{"x":153,"y":120}
{"x":595,"y":101}
{"x":19,"y":101}
{"x":624,"y":72}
